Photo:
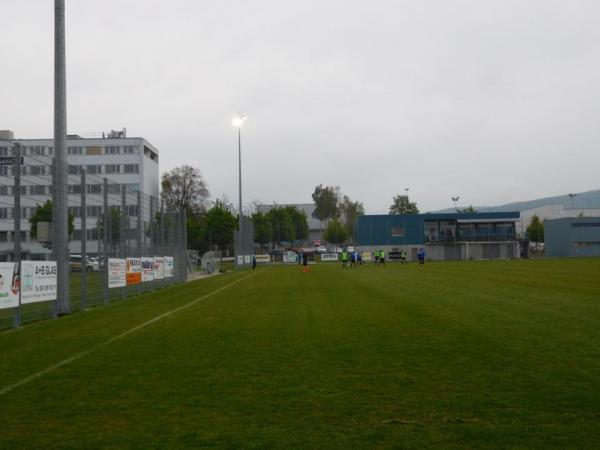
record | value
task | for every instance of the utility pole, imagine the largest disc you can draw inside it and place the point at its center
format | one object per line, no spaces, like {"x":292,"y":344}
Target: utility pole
{"x":60,"y":215}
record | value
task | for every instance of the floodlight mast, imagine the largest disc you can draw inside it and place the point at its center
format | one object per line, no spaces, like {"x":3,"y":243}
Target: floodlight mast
{"x":237,"y":122}
{"x":60,"y":242}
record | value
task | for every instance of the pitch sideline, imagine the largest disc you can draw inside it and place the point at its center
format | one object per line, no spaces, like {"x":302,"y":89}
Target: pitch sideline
{"x":64,"y":362}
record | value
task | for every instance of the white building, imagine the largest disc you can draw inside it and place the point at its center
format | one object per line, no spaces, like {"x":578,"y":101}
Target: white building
{"x":128,"y":163}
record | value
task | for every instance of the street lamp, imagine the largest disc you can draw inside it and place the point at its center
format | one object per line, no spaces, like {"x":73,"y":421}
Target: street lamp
{"x":573,"y":201}
{"x":237,"y":122}
{"x":455,"y":199}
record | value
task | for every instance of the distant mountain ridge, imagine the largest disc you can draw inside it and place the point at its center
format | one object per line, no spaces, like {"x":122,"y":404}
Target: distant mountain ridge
{"x":583,"y":200}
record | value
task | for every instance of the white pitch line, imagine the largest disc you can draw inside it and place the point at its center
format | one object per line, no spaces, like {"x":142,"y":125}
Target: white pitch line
{"x":64,"y":362}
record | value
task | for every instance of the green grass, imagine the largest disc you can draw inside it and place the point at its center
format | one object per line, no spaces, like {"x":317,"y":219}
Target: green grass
{"x":499,"y":354}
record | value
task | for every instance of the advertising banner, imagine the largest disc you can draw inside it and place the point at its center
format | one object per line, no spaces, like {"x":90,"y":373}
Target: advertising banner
{"x":147,"y":269}
{"x":159,"y":267}
{"x":134,"y":271}
{"x":9,"y":285}
{"x":366,"y":256}
{"x":38,"y":281}
{"x":240,"y":260}
{"x":329,"y":257}
{"x":117,"y":273}
{"x":247,"y":259}
{"x":290,"y":258}
{"x":169,"y":266}
{"x":263,"y":259}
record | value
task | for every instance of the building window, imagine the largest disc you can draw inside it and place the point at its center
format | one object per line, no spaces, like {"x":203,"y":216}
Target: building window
{"x":74,"y":170}
{"x":50,"y":151}
{"x":4,"y":190}
{"x":3,"y":151}
{"x":586,"y":225}
{"x":74,"y":189}
{"x":94,"y":189}
{"x":37,"y":170}
{"x":112,"y":150}
{"x":93,"y":169}
{"x":131,"y":168}
{"x":130,"y":149}
{"x":587,"y":244}
{"x":3,"y":236}
{"x":37,"y":150}
{"x":93,"y":150}
{"x":94,"y":211}
{"x":38,"y":190}
{"x":112,"y":168}
{"x":75,"y":150}
{"x":397,"y":231}
{"x":75,"y":211}
{"x":3,"y":213}
{"x":24,"y":212}
{"x":132,"y":210}
{"x":114,"y":188}
{"x":4,"y":171}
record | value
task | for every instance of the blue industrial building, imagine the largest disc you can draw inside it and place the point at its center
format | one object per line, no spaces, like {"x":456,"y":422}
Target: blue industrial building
{"x":572,"y":236}
{"x":443,"y":236}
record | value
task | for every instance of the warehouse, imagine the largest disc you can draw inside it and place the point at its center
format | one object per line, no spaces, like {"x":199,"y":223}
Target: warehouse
{"x":572,"y":236}
{"x":453,"y":236}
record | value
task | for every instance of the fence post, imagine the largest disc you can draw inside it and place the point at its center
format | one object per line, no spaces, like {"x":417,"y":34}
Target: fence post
{"x":123,"y":232}
{"x":17,"y":222}
{"x":106,"y":224}
{"x":83,"y":218}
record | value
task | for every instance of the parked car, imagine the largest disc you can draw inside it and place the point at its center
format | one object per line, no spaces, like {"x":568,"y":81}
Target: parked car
{"x":76,"y":264}
{"x":321,"y":249}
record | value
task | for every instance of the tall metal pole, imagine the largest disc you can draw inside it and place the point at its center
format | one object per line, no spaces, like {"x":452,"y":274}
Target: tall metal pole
{"x":83,"y":219}
{"x":17,"y":222}
{"x":60,"y":242}
{"x":241,"y":233}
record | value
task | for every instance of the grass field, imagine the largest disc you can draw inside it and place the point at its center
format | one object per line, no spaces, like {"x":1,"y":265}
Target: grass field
{"x":499,"y":354}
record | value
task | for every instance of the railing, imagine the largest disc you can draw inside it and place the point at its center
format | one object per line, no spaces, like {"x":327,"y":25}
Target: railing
{"x":493,"y":237}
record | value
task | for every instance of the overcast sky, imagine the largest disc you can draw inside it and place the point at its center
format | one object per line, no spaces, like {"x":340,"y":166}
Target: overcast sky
{"x":495,"y":101}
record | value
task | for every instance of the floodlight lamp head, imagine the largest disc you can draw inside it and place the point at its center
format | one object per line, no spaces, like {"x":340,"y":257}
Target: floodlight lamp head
{"x":238,"y":120}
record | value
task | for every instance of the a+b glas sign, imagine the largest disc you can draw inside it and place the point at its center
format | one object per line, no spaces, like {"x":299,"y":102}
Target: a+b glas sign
{"x":8,"y":160}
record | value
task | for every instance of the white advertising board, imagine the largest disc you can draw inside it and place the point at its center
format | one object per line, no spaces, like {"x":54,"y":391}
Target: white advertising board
{"x":263,"y":259}
{"x":38,"y":281}
{"x":366,"y":256}
{"x":117,"y":272}
{"x":169,"y":265}
{"x":159,"y":267}
{"x":240,"y":260}
{"x":9,"y":285}
{"x":290,"y":258}
{"x":329,"y":257}
{"x":247,"y":259}
{"x":147,"y":269}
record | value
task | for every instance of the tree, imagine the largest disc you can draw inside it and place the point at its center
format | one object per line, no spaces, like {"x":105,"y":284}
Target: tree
{"x":326,"y":202}
{"x":114,"y":228}
{"x":535,"y":229}
{"x":220,"y":224}
{"x":184,"y":189}
{"x":403,"y":206}
{"x":336,"y":232}
{"x":298,"y":222}
{"x":262,"y":229}
{"x":470,"y":209}
{"x":351,"y":211}
{"x":281,"y":225}
{"x":44,"y":214}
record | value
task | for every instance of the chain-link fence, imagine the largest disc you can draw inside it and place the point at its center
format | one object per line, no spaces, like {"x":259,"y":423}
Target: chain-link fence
{"x":121,"y":241}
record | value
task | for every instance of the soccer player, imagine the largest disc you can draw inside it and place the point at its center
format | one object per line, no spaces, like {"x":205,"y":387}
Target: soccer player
{"x":403,"y":256}
{"x":305,"y":267}
{"x":376,"y":257}
{"x":421,"y":257}
{"x":344,"y":259}
{"x":382,"y":257}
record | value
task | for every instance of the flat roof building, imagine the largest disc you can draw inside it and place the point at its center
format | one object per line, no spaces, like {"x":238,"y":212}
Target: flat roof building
{"x":129,"y":164}
{"x":444,"y":236}
{"x":572,"y":236}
